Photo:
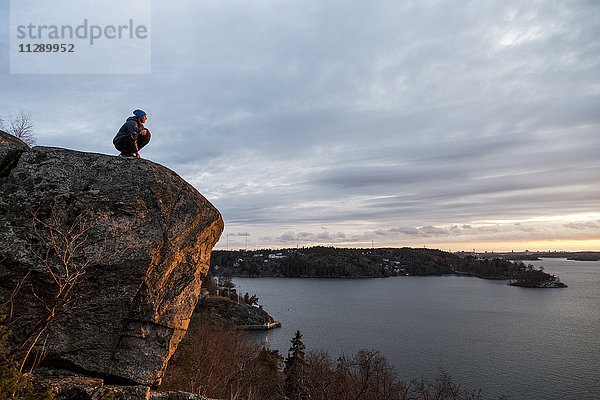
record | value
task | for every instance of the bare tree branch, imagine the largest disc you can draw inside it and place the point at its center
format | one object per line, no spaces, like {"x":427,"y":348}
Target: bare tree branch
{"x":20,"y":126}
{"x":63,"y":245}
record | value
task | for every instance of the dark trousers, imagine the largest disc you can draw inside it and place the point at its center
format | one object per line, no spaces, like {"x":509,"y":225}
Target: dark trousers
{"x":126,"y":144}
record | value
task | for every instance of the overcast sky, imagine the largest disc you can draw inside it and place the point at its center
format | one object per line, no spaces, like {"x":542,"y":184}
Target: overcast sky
{"x":449,"y":124}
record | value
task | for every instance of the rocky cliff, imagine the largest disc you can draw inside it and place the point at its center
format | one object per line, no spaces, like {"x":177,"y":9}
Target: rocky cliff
{"x":101,"y":259}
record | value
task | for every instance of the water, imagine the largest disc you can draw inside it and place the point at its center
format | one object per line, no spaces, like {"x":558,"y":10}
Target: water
{"x":517,"y":342}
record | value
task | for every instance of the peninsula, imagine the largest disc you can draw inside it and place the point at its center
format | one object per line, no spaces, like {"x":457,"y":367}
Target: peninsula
{"x":330,"y":262}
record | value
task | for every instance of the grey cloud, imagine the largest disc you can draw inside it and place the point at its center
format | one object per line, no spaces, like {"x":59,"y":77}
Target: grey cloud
{"x":361,"y":177}
{"x":530,"y":230}
{"x":323,"y":236}
{"x":583,"y":226}
{"x":432,"y":230}
{"x":287,"y":236}
{"x":406,"y":229}
{"x":303,"y":237}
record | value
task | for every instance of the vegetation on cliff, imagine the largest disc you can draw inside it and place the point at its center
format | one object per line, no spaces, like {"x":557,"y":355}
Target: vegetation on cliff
{"x":14,"y":384}
{"x":222,"y":303}
{"x":217,"y":361}
{"x":223,"y":363}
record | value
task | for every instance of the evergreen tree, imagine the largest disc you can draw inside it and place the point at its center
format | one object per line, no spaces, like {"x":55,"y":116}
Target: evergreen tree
{"x":253,"y":299}
{"x":295,"y":369}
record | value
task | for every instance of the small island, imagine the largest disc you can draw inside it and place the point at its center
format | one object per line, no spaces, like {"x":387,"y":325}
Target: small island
{"x":536,"y":278}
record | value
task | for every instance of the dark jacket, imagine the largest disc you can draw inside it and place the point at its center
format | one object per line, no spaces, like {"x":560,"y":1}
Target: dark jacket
{"x":127,"y":137}
{"x":131,"y":128}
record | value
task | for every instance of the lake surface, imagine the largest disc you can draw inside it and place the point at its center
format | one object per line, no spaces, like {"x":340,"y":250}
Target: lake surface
{"x":518,"y":342}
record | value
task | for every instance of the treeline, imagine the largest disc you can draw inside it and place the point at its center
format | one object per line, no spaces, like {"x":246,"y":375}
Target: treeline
{"x":225,"y":364}
{"x":333,"y":262}
{"x":330,"y":262}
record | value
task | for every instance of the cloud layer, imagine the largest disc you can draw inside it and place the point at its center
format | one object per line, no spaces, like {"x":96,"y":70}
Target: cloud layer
{"x":396,"y":122}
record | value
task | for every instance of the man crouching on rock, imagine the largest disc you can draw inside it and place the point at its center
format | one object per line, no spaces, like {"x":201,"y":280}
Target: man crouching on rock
{"x":132,"y":136}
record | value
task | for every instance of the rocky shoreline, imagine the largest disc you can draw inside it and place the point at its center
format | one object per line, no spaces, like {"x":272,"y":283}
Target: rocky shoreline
{"x":229,"y":313}
{"x":541,"y":285}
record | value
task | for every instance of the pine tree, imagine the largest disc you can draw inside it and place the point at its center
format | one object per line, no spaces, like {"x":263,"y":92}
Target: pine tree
{"x":295,"y":368}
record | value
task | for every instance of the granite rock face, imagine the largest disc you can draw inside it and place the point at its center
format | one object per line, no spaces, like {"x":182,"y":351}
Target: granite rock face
{"x":83,"y":388}
{"x":11,"y":149}
{"x":116,"y":246}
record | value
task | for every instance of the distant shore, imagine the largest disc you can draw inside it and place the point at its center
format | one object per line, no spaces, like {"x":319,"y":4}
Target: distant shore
{"x":538,"y":255}
{"x":344,"y":263}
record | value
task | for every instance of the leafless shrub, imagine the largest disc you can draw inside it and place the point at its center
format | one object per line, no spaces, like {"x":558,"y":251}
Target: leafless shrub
{"x":443,"y":388}
{"x":322,"y":381}
{"x":20,"y":126}
{"x":367,"y":375}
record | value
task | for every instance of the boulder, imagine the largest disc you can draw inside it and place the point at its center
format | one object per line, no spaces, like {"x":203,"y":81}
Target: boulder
{"x":101,"y":260}
{"x":10,"y":151}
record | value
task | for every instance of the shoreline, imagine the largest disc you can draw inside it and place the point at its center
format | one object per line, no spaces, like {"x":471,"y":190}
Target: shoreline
{"x":511,"y":281}
{"x":265,"y":327}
